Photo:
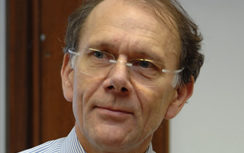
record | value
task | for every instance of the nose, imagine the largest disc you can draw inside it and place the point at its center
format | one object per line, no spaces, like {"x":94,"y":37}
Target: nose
{"x":118,"y":79}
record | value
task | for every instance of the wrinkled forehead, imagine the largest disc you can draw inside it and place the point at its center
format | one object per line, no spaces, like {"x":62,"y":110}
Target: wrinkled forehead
{"x":160,"y":9}
{"x":157,"y":8}
{"x":134,"y":14}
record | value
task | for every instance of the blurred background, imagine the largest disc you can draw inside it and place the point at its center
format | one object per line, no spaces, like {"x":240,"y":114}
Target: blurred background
{"x":212,"y":121}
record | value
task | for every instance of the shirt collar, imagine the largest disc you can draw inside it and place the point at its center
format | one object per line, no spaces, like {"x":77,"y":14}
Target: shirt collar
{"x":71,"y":144}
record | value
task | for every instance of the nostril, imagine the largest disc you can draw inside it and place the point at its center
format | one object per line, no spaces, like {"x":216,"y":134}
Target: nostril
{"x":110,"y":87}
{"x":123,"y":89}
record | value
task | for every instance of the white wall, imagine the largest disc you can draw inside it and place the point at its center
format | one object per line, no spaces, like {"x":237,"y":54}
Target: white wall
{"x":2,"y":77}
{"x":213,"y":120}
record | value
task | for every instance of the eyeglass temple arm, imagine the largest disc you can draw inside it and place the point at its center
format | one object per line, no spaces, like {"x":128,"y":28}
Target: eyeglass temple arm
{"x":175,"y":72}
{"x":73,"y":53}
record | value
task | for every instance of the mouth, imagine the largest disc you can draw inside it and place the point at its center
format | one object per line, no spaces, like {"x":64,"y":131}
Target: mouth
{"x":113,"y":114}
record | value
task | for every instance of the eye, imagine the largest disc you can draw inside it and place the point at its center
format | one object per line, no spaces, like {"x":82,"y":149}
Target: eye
{"x":143,"y":63}
{"x":99,"y":57}
{"x":98,"y":54}
{"x":145,"y":68}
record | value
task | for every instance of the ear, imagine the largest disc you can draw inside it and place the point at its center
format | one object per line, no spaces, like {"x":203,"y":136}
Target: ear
{"x":67,"y":78}
{"x":183,"y":93}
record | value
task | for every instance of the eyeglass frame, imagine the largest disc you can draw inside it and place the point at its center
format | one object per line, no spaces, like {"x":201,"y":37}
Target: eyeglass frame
{"x":175,"y":72}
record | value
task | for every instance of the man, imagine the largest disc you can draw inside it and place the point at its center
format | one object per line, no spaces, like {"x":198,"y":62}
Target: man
{"x":128,"y":65}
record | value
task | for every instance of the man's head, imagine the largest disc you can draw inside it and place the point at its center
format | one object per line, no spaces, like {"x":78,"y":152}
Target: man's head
{"x":120,"y":82}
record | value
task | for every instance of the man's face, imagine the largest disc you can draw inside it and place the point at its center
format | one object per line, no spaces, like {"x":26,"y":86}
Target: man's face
{"x":115,"y":111}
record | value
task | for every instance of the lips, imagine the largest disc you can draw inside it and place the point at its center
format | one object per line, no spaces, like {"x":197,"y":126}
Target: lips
{"x":115,"y":110}
{"x":115,"y":114}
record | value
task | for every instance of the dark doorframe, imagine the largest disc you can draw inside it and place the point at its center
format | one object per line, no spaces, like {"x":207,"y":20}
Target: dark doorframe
{"x":19,"y":80}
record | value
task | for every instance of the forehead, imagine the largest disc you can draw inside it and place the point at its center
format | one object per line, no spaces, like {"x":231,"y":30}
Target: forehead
{"x":125,"y":24}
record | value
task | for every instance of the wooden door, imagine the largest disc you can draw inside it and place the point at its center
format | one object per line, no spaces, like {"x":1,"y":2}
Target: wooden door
{"x":55,"y":114}
{"x":38,"y":112}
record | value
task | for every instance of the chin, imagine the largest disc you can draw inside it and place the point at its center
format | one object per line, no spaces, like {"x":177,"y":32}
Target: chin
{"x":114,"y":139}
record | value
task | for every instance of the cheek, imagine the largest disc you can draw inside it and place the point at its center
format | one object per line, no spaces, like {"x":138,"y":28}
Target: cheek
{"x":84,"y":87}
{"x":154,"y":103}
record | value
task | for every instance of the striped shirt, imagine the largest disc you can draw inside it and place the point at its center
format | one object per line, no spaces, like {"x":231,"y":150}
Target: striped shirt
{"x":69,"y":144}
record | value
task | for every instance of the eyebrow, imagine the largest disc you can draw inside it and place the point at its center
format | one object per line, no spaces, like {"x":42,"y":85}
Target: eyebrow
{"x":102,"y":45}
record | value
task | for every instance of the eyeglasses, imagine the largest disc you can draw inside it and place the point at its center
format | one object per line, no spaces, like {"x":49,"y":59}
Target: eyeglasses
{"x":94,"y":62}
